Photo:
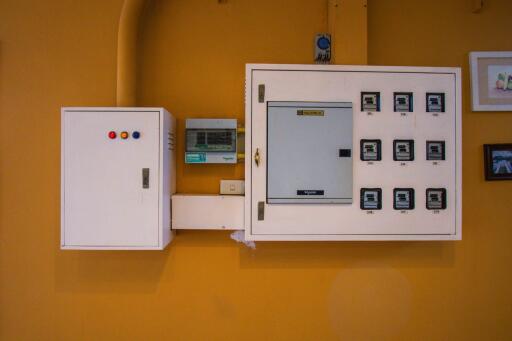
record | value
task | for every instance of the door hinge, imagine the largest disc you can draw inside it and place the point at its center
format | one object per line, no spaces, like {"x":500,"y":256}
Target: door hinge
{"x":261,"y":210}
{"x":261,"y":93}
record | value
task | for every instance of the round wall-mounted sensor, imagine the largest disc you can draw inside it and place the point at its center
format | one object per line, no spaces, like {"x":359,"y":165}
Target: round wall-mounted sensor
{"x":323,"y":43}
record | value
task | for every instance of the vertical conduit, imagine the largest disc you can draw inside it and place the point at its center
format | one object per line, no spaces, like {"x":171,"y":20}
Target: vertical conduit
{"x":127,"y":53}
{"x":332,"y":8}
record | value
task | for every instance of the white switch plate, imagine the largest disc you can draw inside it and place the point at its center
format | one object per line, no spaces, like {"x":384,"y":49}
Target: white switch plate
{"x":233,"y":187}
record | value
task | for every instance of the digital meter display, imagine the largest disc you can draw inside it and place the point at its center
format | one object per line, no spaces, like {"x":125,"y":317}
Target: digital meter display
{"x":436,"y":199}
{"x":371,"y":199}
{"x":435,"y":150}
{"x":211,"y":140}
{"x":403,"y":150}
{"x":370,"y":150}
{"x":403,"y":198}
{"x":402,"y":102}
{"x":435,"y":102}
{"x":370,"y":101}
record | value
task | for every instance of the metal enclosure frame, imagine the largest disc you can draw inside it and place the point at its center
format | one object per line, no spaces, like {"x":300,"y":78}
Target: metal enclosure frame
{"x":166,"y":179}
{"x":259,"y":92}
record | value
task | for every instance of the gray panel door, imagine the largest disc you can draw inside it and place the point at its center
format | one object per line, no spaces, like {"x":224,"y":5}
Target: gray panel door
{"x":309,"y":152}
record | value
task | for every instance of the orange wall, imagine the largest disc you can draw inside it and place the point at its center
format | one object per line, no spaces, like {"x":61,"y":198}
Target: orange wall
{"x":204,"y":286}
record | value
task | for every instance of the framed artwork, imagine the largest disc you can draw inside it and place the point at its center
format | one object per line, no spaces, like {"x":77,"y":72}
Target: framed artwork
{"x":491,"y":81}
{"x":498,"y":161}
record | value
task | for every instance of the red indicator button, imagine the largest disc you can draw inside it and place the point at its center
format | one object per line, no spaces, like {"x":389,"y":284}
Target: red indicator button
{"x":112,"y":135}
{"x":124,"y":135}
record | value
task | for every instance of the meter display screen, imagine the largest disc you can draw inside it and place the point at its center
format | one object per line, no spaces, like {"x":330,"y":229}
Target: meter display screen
{"x":436,"y":198}
{"x":403,"y":102}
{"x":403,"y":150}
{"x":370,"y":101}
{"x":371,"y":199}
{"x":403,"y":198}
{"x":435,"y":150}
{"x":370,"y":150}
{"x":435,"y":102}
{"x":211,"y":140}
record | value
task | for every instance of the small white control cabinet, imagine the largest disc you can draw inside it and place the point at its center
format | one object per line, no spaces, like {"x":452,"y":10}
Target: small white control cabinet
{"x":352,"y":153}
{"x":210,"y":140}
{"x":117,"y":177}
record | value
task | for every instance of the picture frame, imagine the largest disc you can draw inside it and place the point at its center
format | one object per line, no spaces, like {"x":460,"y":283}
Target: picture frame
{"x":491,"y":81}
{"x":498,"y":161}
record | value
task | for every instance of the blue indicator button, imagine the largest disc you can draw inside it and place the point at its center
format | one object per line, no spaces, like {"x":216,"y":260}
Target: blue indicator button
{"x":135,"y":134}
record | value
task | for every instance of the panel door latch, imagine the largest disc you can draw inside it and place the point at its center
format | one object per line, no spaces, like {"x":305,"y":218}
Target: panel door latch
{"x":257,"y":158}
{"x":145,"y":177}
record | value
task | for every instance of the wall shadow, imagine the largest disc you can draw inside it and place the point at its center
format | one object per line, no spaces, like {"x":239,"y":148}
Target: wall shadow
{"x":110,"y":271}
{"x":398,"y":254}
{"x":281,"y":255}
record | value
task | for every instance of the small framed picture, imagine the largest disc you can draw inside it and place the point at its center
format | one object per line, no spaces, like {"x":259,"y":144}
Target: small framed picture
{"x":498,"y":161}
{"x":491,"y":81}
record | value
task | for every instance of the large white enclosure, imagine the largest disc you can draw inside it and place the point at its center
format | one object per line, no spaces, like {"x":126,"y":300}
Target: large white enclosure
{"x":118,"y":174}
{"x":352,"y":153}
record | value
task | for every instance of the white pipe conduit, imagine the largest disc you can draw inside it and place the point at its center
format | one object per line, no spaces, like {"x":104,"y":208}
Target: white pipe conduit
{"x":127,"y":53}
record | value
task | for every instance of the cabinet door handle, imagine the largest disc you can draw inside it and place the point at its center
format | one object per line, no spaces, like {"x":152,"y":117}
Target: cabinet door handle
{"x":145,"y":177}
{"x":257,"y":158}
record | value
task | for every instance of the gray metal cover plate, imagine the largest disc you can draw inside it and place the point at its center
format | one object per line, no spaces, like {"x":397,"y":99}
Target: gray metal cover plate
{"x":304,"y":143}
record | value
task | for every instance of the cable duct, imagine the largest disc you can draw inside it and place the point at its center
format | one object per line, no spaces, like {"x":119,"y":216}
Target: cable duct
{"x":127,"y":53}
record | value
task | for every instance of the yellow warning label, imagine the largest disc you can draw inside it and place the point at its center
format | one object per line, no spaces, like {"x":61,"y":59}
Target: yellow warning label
{"x":310,"y":112}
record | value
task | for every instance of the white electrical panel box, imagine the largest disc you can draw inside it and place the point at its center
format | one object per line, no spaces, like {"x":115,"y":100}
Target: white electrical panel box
{"x":352,"y":153}
{"x":117,"y":177}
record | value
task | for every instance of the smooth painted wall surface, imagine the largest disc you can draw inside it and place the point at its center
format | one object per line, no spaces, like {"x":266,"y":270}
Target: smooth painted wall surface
{"x":205,"y":286}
